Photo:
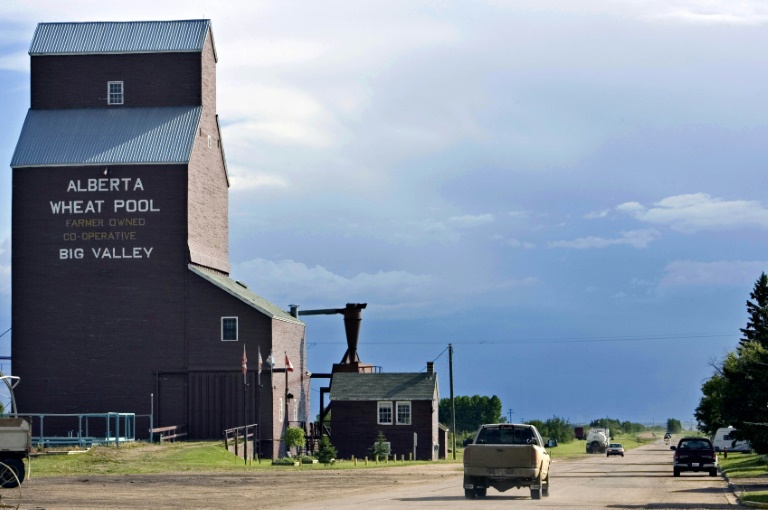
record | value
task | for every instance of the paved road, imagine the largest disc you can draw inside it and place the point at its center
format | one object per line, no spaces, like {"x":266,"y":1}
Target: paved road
{"x":641,"y":479}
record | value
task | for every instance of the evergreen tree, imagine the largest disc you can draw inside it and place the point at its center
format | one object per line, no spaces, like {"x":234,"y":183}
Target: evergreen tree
{"x":380,"y":449}
{"x":757,"y":308}
{"x":746,"y":394}
{"x":326,"y":453}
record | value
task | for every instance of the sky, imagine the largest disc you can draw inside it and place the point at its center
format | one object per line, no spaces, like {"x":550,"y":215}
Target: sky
{"x":570,"y":194}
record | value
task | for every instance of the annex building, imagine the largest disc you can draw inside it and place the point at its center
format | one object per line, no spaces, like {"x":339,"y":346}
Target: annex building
{"x":121,"y":295}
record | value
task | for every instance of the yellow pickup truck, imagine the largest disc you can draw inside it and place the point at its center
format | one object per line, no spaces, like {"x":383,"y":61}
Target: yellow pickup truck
{"x":506,"y":455}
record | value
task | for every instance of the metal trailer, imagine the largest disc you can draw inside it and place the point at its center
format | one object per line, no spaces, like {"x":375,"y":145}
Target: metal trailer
{"x":15,"y":440}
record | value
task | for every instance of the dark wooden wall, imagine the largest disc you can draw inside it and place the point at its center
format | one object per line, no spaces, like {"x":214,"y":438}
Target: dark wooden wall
{"x":354,"y":429}
{"x":87,"y":329}
{"x":150,"y":79}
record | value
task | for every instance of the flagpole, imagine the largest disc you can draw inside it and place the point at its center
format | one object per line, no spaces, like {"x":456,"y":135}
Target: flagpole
{"x":258,"y":406}
{"x":245,"y":407}
{"x":287,"y":419}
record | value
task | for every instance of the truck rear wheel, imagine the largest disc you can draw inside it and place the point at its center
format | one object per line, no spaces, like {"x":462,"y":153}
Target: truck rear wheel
{"x":469,"y":493}
{"x":536,"y":489}
{"x":480,"y":492}
{"x":545,"y":489}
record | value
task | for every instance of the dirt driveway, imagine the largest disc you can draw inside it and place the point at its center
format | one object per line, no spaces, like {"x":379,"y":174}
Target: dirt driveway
{"x":235,"y":491}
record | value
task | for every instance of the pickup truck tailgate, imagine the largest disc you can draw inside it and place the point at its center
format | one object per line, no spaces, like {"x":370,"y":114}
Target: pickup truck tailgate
{"x":495,"y":456}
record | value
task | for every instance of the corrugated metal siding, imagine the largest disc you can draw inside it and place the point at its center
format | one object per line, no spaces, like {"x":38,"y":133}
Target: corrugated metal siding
{"x":119,"y":37}
{"x":107,"y":136}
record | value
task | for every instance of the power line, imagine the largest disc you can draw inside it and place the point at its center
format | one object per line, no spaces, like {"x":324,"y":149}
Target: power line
{"x":623,"y":338}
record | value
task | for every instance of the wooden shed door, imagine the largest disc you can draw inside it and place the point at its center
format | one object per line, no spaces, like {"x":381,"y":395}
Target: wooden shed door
{"x":216,"y":403}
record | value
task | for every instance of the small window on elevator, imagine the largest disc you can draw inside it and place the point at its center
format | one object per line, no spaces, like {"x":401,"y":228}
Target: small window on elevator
{"x":114,"y":92}
{"x":229,"y":329}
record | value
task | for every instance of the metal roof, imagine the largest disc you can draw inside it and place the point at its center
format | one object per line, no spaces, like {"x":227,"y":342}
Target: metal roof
{"x":350,"y":386}
{"x":119,"y":37}
{"x":241,"y":292}
{"x":98,"y":136}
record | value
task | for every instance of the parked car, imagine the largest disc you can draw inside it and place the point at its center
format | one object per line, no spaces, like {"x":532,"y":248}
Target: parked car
{"x":614,"y":449}
{"x":694,"y":454}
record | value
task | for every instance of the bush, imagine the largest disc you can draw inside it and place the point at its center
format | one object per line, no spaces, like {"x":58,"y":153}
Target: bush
{"x":379,"y":448}
{"x":326,"y":453}
{"x":294,"y":436}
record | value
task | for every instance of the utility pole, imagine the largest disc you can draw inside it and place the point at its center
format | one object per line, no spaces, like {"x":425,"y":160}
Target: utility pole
{"x":510,"y":412}
{"x":453,"y":405}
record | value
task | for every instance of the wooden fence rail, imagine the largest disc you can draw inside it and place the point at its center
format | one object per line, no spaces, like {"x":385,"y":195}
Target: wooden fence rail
{"x":170,"y":433}
{"x":245,"y":433}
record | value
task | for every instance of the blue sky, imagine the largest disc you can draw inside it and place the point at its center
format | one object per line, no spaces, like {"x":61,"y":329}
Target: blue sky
{"x":570,"y":196}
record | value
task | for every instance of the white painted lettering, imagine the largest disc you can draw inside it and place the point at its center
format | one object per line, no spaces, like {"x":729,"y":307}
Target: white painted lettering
{"x":132,"y":206}
{"x":105,"y":184}
{"x":70,"y":253}
{"x":136,"y":252}
{"x":76,"y":206}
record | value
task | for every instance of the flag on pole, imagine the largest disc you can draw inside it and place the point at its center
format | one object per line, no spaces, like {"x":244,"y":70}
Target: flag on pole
{"x":288,"y":365}
{"x":259,"y":354}
{"x":271,"y":361}
{"x":245,"y":361}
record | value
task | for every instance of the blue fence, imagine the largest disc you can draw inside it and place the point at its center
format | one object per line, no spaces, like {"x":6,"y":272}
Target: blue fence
{"x":86,"y":428}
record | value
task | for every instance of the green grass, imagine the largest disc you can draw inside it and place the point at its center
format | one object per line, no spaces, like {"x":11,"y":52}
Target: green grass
{"x":741,"y":465}
{"x":578,"y":447}
{"x":138,"y":458}
{"x":749,"y":465}
{"x":755,"y":497}
{"x":143,"y":458}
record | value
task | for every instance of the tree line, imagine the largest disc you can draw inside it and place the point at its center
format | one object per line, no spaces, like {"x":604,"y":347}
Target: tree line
{"x":471,"y":412}
{"x":737,"y":393}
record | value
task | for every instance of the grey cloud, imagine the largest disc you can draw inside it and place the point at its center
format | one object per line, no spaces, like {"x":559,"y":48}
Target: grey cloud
{"x":721,"y":273}
{"x":695,"y":212}
{"x":633,"y":238}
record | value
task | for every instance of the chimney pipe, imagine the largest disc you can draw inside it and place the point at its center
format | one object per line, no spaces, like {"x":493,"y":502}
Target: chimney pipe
{"x":430,"y":368}
{"x":353,"y":315}
{"x":294,"y":310}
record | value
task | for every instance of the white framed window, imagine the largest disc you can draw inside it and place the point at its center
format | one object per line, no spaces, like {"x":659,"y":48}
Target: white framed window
{"x":384,"y":413}
{"x":295,"y":412}
{"x":229,"y":329}
{"x":403,"y":413}
{"x":282,"y":410}
{"x":115,"y":92}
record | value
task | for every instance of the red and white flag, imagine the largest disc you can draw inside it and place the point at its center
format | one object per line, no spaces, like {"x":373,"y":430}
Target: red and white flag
{"x":288,"y":365}
{"x":245,"y":361}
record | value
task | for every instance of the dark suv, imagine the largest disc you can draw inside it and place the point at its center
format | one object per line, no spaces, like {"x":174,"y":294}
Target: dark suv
{"x":695,"y":454}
